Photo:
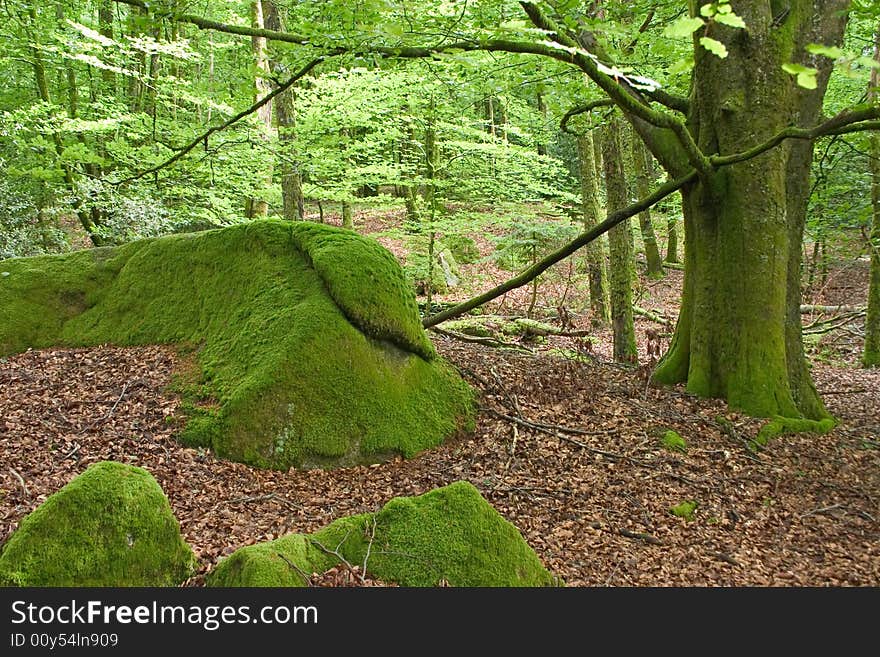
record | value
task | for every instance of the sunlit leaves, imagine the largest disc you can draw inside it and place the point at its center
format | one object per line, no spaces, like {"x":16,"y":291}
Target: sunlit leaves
{"x":714,"y":46}
{"x":683,"y":27}
{"x":712,"y":13}
{"x":806,"y":76}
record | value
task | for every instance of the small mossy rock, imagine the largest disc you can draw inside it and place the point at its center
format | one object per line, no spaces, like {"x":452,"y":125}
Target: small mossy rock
{"x":110,"y":526}
{"x":673,"y":441}
{"x":450,"y":534}
{"x":684,"y":510}
{"x":310,"y":349}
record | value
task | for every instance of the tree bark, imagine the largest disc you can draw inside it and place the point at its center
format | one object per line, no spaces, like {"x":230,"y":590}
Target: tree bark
{"x":641,"y":169}
{"x":871,"y":355}
{"x":738,"y":335}
{"x":257,"y":206}
{"x":285,"y":114}
{"x":672,"y":239}
{"x":620,"y":244}
{"x":595,"y":251}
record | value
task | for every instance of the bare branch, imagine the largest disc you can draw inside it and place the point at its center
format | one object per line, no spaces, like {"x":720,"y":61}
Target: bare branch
{"x":238,"y":117}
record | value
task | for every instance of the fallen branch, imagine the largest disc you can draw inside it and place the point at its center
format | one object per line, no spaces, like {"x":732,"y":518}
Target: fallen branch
{"x":825,"y":310}
{"x":647,"y":538}
{"x":654,"y":317}
{"x":489,"y":342}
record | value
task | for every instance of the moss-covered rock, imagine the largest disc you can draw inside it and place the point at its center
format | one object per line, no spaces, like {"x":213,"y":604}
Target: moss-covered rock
{"x":308,"y":343}
{"x":451,"y":534}
{"x":111,"y":526}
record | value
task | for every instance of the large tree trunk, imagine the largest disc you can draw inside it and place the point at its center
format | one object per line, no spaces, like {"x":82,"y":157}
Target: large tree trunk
{"x":739,"y":332}
{"x":596,"y":269}
{"x":620,"y":241}
{"x":871,"y":355}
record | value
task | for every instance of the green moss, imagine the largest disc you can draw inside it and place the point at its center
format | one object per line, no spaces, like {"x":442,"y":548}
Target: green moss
{"x":450,"y":534}
{"x":685,"y":510}
{"x":307,"y":340}
{"x":111,"y":526}
{"x":366,"y":282}
{"x":779,"y":425}
{"x":674,"y":442}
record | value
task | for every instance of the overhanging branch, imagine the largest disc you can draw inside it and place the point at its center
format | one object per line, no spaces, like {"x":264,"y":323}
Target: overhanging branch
{"x":582,"y":109}
{"x":238,"y":117}
{"x":843,"y":123}
{"x":560,"y":254}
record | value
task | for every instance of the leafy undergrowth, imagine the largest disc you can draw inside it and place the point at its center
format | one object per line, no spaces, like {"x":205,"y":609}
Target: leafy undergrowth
{"x":580,"y":469}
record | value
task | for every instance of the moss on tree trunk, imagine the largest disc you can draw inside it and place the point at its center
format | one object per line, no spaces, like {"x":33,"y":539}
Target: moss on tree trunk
{"x":739,"y":332}
{"x":620,"y":244}
{"x":595,"y":250}
{"x":641,"y":169}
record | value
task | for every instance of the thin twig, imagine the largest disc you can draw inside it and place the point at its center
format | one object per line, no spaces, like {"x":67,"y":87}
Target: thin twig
{"x":824,"y":509}
{"x":21,"y":481}
{"x":308,"y":580}
{"x":369,"y":547}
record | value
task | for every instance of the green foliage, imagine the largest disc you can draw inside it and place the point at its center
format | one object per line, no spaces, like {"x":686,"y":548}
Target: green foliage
{"x":310,"y":348}
{"x":526,"y":243}
{"x":463,"y":247}
{"x":450,"y":536}
{"x":111,"y":526}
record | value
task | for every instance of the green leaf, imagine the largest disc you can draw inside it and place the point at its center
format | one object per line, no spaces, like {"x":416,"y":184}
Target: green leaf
{"x":832,"y":52}
{"x":806,"y":76}
{"x":725,"y":8}
{"x":682,"y":66}
{"x":867,"y":61}
{"x":708,"y":10}
{"x":683,"y":27}
{"x":730,"y":19}
{"x":713,"y":46}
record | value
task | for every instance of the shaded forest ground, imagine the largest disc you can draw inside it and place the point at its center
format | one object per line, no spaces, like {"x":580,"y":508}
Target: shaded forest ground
{"x":567,"y":447}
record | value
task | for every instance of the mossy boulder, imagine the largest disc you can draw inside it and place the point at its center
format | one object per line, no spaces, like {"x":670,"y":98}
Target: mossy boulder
{"x":450,"y":534}
{"x":111,"y":526}
{"x":308,"y":346}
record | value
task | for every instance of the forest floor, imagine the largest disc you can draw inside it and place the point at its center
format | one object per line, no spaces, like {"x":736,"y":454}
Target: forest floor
{"x":567,"y":447}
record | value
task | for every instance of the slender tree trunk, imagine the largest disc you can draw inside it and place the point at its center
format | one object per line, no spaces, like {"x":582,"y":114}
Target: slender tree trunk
{"x":257,"y":206}
{"x":135,"y":89}
{"x":595,"y":251}
{"x":620,"y":243}
{"x":672,"y":239}
{"x":411,"y":164}
{"x":285,"y":114}
{"x":542,"y":110}
{"x":871,"y":356}
{"x":105,"y":27}
{"x":641,"y":167}
{"x":739,"y":332}
{"x":347,"y":220}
